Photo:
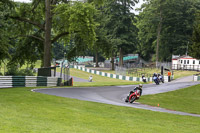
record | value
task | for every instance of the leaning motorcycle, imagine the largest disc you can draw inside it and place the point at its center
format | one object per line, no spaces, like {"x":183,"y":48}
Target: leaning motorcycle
{"x":144,"y":79}
{"x":133,"y":96}
{"x":161,"y":79}
{"x":156,"y":80}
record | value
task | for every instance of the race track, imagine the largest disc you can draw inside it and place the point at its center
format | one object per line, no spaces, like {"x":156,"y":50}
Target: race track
{"x":115,"y":95}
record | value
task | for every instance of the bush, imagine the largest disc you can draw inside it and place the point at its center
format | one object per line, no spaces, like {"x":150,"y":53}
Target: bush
{"x":14,"y":71}
{"x":26,"y":72}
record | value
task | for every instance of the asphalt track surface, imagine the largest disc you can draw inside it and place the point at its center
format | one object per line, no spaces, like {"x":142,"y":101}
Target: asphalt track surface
{"x":116,"y":95}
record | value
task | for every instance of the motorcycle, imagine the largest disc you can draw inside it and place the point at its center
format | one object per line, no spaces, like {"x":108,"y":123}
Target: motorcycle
{"x":155,"y":79}
{"x":144,"y":79}
{"x":133,"y":96}
{"x":161,"y":79}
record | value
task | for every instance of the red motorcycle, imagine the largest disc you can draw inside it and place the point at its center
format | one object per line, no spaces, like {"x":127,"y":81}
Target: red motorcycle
{"x":133,"y":96}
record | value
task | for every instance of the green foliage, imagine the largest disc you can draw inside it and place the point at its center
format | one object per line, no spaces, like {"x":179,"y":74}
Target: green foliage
{"x":120,"y":31}
{"x":72,"y":23}
{"x":76,"y":19}
{"x":13,"y":70}
{"x":195,"y":47}
{"x":6,"y":26}
{"x":177,"y":27}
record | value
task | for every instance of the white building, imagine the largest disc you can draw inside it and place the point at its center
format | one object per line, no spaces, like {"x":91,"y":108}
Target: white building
{"x":185,"y":62}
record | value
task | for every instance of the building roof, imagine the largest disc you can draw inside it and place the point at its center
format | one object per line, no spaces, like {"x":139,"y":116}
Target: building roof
{"x":176,"y":57}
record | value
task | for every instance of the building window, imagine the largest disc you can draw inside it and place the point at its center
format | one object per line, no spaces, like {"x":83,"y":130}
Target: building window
{"x":181,"y":61}
{"x":184,"y":61}
{"x":199,"y":62}
{"x":188,"y":61}
{"x":193,"y":61}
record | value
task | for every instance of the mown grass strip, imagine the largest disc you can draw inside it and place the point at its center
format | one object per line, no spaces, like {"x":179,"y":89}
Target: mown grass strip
{"x":185,"y":100}
{"x":98,"y":80}
{"x":24,"y":111}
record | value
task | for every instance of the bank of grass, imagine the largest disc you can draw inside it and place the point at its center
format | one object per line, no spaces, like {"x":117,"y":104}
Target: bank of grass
{"x":97,"y":79}
{"x":24,"y":111}
{"x":180,"y":73}
{"x":150,"y":71}
{"x":185,"y":100}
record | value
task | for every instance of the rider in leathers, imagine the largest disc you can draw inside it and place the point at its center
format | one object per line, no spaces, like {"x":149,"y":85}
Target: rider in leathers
{"x":137,"y":88}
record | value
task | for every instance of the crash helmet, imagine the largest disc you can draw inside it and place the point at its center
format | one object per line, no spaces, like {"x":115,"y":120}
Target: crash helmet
{"x":140,"y":85}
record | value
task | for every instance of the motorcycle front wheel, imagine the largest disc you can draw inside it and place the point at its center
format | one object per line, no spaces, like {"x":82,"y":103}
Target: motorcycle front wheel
{"x":132,"y":99}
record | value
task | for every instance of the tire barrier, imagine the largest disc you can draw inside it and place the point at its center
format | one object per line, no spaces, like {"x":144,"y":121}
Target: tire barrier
{"x":196,"y":77}
{"x":111,"y":75}
{"x":28,"y":81}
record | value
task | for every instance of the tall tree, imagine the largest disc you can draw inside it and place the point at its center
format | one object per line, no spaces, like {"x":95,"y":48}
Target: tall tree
{"x":57,"y":20}
{"x":121,"y":32}
{"x":176,"y":27}
{"x":6,"y":28}
{"x":195,"y":47}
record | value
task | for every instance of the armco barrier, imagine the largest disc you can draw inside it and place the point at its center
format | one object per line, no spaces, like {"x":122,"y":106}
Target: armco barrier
{"x":28,"y":81}
{"x":111,"y":75}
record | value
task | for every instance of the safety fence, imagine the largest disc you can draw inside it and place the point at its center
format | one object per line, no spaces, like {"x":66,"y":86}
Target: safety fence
{"x":149,"y":79}
{"x":186,"y":67}
{"x":28,"y":81}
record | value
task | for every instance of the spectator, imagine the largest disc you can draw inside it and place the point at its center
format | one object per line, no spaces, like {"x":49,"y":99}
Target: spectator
{"x":169,"y":76}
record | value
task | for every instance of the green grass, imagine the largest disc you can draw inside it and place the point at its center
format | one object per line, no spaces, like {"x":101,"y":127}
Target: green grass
{"x":24,"y":111}
{"x":179,"y":74}
{"x":186,"y":100}
{"x":97,"y":79}
{"x":150,"y":71}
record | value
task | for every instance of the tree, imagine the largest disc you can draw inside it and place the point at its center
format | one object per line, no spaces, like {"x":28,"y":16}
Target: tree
{"x":170,"y":24}
{"x":121,"y":32}
{"x":195,"y":47}
{"x":6,"y":8}
{"x":57,"y":20}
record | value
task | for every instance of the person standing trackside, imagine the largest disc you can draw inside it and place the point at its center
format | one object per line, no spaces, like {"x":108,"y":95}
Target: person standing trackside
{"x":169,"y":76}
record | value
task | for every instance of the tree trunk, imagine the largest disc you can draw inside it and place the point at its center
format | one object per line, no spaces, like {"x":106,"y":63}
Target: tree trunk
{"x":158,"y":38}
{"x":47,"y":40}
{"x":120,"y":58}
{"x":96,"y":58}
{"x":112,"y":62}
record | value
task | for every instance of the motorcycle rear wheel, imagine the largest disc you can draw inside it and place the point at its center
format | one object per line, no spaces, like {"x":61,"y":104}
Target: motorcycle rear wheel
{"x":126,"y":100}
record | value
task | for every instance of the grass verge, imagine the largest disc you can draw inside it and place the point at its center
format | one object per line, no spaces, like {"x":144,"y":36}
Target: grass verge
{"x":150,"y":71}
{"x":97,"y":79}
{"x":185,"y":100}
{"x":24,"y":111}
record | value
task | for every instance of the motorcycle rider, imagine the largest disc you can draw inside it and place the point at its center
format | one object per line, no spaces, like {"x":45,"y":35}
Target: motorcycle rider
{"x":143,"y":78}
{"x":137,"y":88}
